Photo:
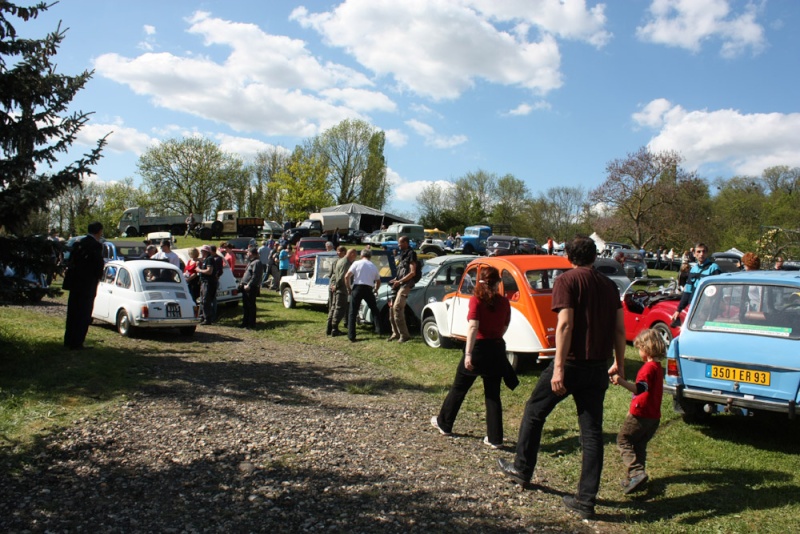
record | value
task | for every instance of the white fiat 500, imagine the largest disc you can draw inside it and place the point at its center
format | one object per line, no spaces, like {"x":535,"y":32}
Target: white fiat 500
{"x":144,"y":294}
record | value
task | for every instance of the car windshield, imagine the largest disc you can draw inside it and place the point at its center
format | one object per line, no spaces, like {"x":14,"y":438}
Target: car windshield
{"x":755,"y":309}
{"x":472,"y":231}
{"x":542,"y":280}
{"x":129,"y":252}
{"x":312,"y":245}
{"x":156,"y":275}
{"x":501,"y":244}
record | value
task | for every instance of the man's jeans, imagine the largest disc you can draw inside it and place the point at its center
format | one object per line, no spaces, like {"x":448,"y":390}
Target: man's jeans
{"x":587,"y":382}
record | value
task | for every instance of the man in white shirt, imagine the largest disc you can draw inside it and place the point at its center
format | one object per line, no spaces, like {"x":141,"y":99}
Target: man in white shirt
{"x":167,"y":254}
{"x":362,"y":281}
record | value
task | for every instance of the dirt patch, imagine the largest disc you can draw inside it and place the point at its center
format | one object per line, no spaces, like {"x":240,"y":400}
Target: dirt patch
{"x":237,"y":433}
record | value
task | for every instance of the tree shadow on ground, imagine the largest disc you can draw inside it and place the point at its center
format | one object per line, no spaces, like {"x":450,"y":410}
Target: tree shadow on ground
{"x":232,"y":492}
{"x":764,"y":431}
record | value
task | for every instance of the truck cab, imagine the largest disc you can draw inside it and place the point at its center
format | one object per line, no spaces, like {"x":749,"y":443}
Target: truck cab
{"x":474,"y":240}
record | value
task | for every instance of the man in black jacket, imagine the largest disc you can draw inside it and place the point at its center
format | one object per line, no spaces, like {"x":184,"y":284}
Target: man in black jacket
{"x":83,"y":274}
{"x":250,"y":287}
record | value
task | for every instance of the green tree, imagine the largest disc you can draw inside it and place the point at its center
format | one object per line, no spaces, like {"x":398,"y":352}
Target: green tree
{"x":302,"y":184}
{"x":511,"y":198}
{"x":34,"y":128}
{"x":265,"y":201}
{"x":189,"y":175}
{"x":472,"y":196}
{"x":346,"y":149}
{"x":743,"y":200}
{"x":375,"y":189}
{"x":432,"y":202}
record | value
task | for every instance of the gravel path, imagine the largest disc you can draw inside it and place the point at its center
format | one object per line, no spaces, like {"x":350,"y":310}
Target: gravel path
{"x":241,"y":434}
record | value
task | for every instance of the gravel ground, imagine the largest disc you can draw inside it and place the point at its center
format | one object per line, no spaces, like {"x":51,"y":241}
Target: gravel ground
{"x":242,"y":434}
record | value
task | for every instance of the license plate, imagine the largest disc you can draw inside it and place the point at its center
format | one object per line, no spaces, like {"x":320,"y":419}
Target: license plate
{"x":174,"y":310}
{"x":734,"y":374}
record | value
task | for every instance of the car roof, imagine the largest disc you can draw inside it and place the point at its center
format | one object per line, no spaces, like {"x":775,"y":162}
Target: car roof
{"x":525,"y":262}
{"x":140,"y":265}
{"x":609,"y":266}
{"x":775,"y":277}
{"x":125,"y":243}
{"x":439,"y":260}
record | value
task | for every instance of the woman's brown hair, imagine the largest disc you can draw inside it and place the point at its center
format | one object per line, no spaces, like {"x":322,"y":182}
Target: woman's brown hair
{"x":487,"y":285}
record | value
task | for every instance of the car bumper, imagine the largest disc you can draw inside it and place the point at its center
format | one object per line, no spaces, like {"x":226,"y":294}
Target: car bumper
{"x":166,"y":323}
{"x":731,"y":400}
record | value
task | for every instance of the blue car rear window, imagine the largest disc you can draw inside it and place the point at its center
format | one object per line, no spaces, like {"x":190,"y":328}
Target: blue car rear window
{"x":754,"y":309}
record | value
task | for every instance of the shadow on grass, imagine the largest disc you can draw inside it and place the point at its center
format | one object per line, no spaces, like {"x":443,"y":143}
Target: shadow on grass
{"x":765,"y":431}
{"x":727,"y":492}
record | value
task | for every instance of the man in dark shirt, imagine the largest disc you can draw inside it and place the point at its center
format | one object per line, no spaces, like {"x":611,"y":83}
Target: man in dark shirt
{"x":251,"y":287}
{"x":590,"y":328}
{"x":84,"y":271}
{"x":208,"y":284}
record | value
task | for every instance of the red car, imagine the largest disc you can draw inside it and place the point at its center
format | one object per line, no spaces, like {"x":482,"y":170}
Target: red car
{"x":306,"y":246}
{"x":241,"y":263}
{"x":650,"y":303}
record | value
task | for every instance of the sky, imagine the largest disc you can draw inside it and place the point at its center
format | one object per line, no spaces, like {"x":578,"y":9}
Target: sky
{"x":549,"y":91}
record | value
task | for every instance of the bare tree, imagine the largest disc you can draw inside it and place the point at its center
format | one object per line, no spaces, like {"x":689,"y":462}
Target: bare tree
{"x":641,"y":191}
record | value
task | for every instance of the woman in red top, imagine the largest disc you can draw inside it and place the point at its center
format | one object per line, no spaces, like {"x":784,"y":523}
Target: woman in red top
{"x":484,"y":356}
{"x":191,"y":275}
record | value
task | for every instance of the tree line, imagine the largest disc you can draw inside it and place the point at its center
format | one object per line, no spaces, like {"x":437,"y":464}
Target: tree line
{"x":647,"y":200}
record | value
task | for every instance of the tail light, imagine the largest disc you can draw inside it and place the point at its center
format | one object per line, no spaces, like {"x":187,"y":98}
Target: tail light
{"x":196,"y":311}
{"x":672,"y":367}
{"x":145,"y":312}
{"x":551,"y":340}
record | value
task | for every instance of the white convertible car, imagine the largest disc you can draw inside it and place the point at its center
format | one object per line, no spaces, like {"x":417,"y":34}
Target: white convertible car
{"x":144,"y":294}
{"x":311,"y":282}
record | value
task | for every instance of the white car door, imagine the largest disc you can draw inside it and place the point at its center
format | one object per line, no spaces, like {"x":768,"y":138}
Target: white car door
{"x":460,"y":303}
{"x":105,"y":289}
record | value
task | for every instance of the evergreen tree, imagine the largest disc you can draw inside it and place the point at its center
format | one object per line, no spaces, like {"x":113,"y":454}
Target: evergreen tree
{"x":34,"y":131}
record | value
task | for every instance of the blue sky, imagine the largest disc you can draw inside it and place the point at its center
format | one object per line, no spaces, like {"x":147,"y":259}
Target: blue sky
{"x":546,"y":90}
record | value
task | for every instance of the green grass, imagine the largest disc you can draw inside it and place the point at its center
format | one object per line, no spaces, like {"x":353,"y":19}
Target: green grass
{"x":731,"y":474}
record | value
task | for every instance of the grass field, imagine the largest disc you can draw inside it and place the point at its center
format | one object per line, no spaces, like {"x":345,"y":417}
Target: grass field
{"x":728,"y":475}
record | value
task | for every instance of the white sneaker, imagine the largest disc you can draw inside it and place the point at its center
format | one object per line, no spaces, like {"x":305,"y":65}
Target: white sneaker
{"x":435,"y":424}
{"x":492,"y":445}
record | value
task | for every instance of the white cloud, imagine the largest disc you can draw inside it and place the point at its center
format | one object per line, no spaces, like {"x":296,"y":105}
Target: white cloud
{"x":360,"y":99}
{"x":436,"y":48}
{"x":149,"y":41}
{"x":569,"y":19}
{"x":246,"y":147}
{"x":120,"y":138}
{"x":744,"y":143}
{"x":406,"y":191}
{"x":432,"y":138}
{"x":526,"y":109}
{"x":396,"y":137}
{"x":688,"y":23}
{"x":268,"y":83}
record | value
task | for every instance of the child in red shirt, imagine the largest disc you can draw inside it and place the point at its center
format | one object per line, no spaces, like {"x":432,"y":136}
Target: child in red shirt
{"x":644,"y":415}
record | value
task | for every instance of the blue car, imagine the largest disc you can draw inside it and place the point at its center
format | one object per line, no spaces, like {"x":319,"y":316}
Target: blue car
{"x":739,"y":348}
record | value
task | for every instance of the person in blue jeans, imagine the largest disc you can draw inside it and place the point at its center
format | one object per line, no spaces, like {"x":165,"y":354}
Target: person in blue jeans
{"x":590,"y":329}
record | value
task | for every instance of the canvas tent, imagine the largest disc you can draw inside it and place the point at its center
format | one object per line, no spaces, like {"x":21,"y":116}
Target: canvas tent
{"x":364,"y":217}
